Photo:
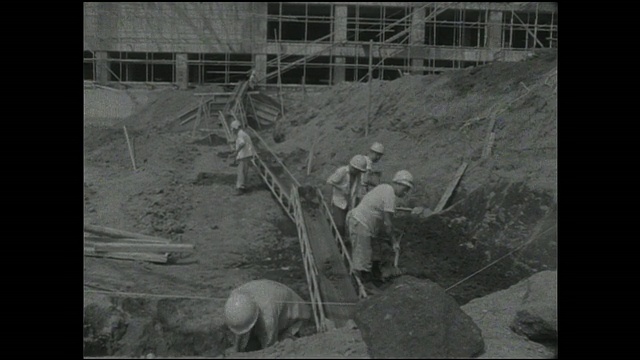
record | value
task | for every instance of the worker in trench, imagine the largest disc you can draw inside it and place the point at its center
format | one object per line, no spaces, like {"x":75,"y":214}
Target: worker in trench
{"x":369,"y":218}
{"x":371,"y":178}
{"x":345,"y":183}
{"x":264,"y":311}
{"x":244,"y":155}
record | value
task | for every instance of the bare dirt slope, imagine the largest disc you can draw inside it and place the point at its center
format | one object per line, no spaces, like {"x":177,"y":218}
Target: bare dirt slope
{"x":183,"y":191}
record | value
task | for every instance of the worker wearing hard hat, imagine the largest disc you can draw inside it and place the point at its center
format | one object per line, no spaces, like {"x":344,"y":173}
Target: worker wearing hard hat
{"x":371,"y":178}
{"x":266,"y":309}
{"x":244,"y":154}
{"x":345,"y":182}
{"x":372,"y":215}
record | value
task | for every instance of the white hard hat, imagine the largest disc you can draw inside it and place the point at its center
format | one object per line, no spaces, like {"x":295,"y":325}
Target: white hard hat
{"x":359,"y":162}
{"x":240,"y":313}
{"x":404,"y":177}
{"x":377,"y":147}
{"x":235,"y":124}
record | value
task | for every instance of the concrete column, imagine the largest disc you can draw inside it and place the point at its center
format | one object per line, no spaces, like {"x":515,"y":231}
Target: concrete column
{"x":102,"y":66}
{"x":339,"y":71}
{"x":182,"y":71}
{"x":340,"y":31}
{"x":259,"y":35}
{"x":417,"y":38}
{"x":494,"y":30}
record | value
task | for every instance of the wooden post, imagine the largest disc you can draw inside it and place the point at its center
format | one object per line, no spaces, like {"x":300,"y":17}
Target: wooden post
{"x":133,"y":160}
{"x":279,"y":75}
{"x":366,"y":128}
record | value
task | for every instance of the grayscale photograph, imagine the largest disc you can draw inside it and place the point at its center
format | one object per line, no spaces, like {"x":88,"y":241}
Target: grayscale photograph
{"x":320,"y":180}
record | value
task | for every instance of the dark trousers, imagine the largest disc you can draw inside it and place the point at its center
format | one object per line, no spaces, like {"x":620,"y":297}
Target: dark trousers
{"x":339,"y":216}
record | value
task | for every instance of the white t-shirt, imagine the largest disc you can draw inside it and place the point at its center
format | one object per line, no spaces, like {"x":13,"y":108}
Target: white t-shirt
{"x":342,"y":195}
{"x":370,"y":211}
{"x":247,"y":150}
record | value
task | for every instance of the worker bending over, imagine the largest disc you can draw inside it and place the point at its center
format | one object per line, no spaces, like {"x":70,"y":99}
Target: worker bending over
{"x":345,"y":182}
{"x":244,"y":154}
{"x":372,"y":215}
{"x":266,"y":309}
{"x":371,"y":178}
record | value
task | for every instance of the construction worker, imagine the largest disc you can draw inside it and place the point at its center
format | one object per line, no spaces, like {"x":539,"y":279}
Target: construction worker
{"x":372,"y":215}
{"x":345,"y":182}
{"x":264,"y":309}
{"x":244,"y":155}
{"x":371,"y":178}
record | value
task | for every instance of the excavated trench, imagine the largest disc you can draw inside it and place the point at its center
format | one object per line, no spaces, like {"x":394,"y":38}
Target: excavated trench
{"x":447,"y":248}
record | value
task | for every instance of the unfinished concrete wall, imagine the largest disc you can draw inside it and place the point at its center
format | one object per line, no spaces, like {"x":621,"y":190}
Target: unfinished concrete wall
{"x":170,"y":27}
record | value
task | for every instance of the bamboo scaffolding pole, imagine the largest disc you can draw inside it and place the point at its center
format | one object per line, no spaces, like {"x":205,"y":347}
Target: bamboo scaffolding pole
{"x":551,"y":31}
{"x":526,"y":27}
{"x":511,"y":30}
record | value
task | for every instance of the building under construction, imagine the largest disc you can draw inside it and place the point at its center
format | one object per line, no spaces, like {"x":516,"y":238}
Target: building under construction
{"x":311,"y":43}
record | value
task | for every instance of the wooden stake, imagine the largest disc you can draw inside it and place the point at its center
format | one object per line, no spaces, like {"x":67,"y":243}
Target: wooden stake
{"x":452,"y":186}
{"x":156,"y":248}
{"x":133,"y":160}
{"x":105,"y":231}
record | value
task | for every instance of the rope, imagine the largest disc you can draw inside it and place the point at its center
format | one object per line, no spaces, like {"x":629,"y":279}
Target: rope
{"x":496,"y":261}
{"x":167,"y":296}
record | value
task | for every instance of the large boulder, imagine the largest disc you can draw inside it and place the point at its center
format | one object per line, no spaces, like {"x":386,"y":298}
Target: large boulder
{"x":496,"y":313}
{"x":537,"y":318}
{"x":415,"y":318}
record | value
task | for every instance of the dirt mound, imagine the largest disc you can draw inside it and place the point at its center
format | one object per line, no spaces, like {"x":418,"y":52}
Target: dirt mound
{"x":416,"y":319}
{"x":430,"y":124}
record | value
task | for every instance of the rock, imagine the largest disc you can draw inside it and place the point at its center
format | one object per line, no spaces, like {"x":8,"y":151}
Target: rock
{"x":495,"y":313}
{"x":537,"y":318}
{"x":416,"y":318}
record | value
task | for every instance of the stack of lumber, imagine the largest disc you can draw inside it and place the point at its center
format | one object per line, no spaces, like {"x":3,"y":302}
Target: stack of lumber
{"x":118,"y":244}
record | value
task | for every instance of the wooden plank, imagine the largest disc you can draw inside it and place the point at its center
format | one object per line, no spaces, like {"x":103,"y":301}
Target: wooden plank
{"x":266,"y":108}
{"x":333,"y":277}
{"x":125,"y":240}
{"x":154,"y":258}
{"x":129,"y":247}
{"x":452,"y":186}
{"x":105,"y":231}
{"x":192,"y":117}
{"x":266,"y":116}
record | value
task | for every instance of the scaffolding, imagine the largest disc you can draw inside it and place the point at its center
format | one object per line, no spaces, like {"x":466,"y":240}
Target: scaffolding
{"x":221,"y":41}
